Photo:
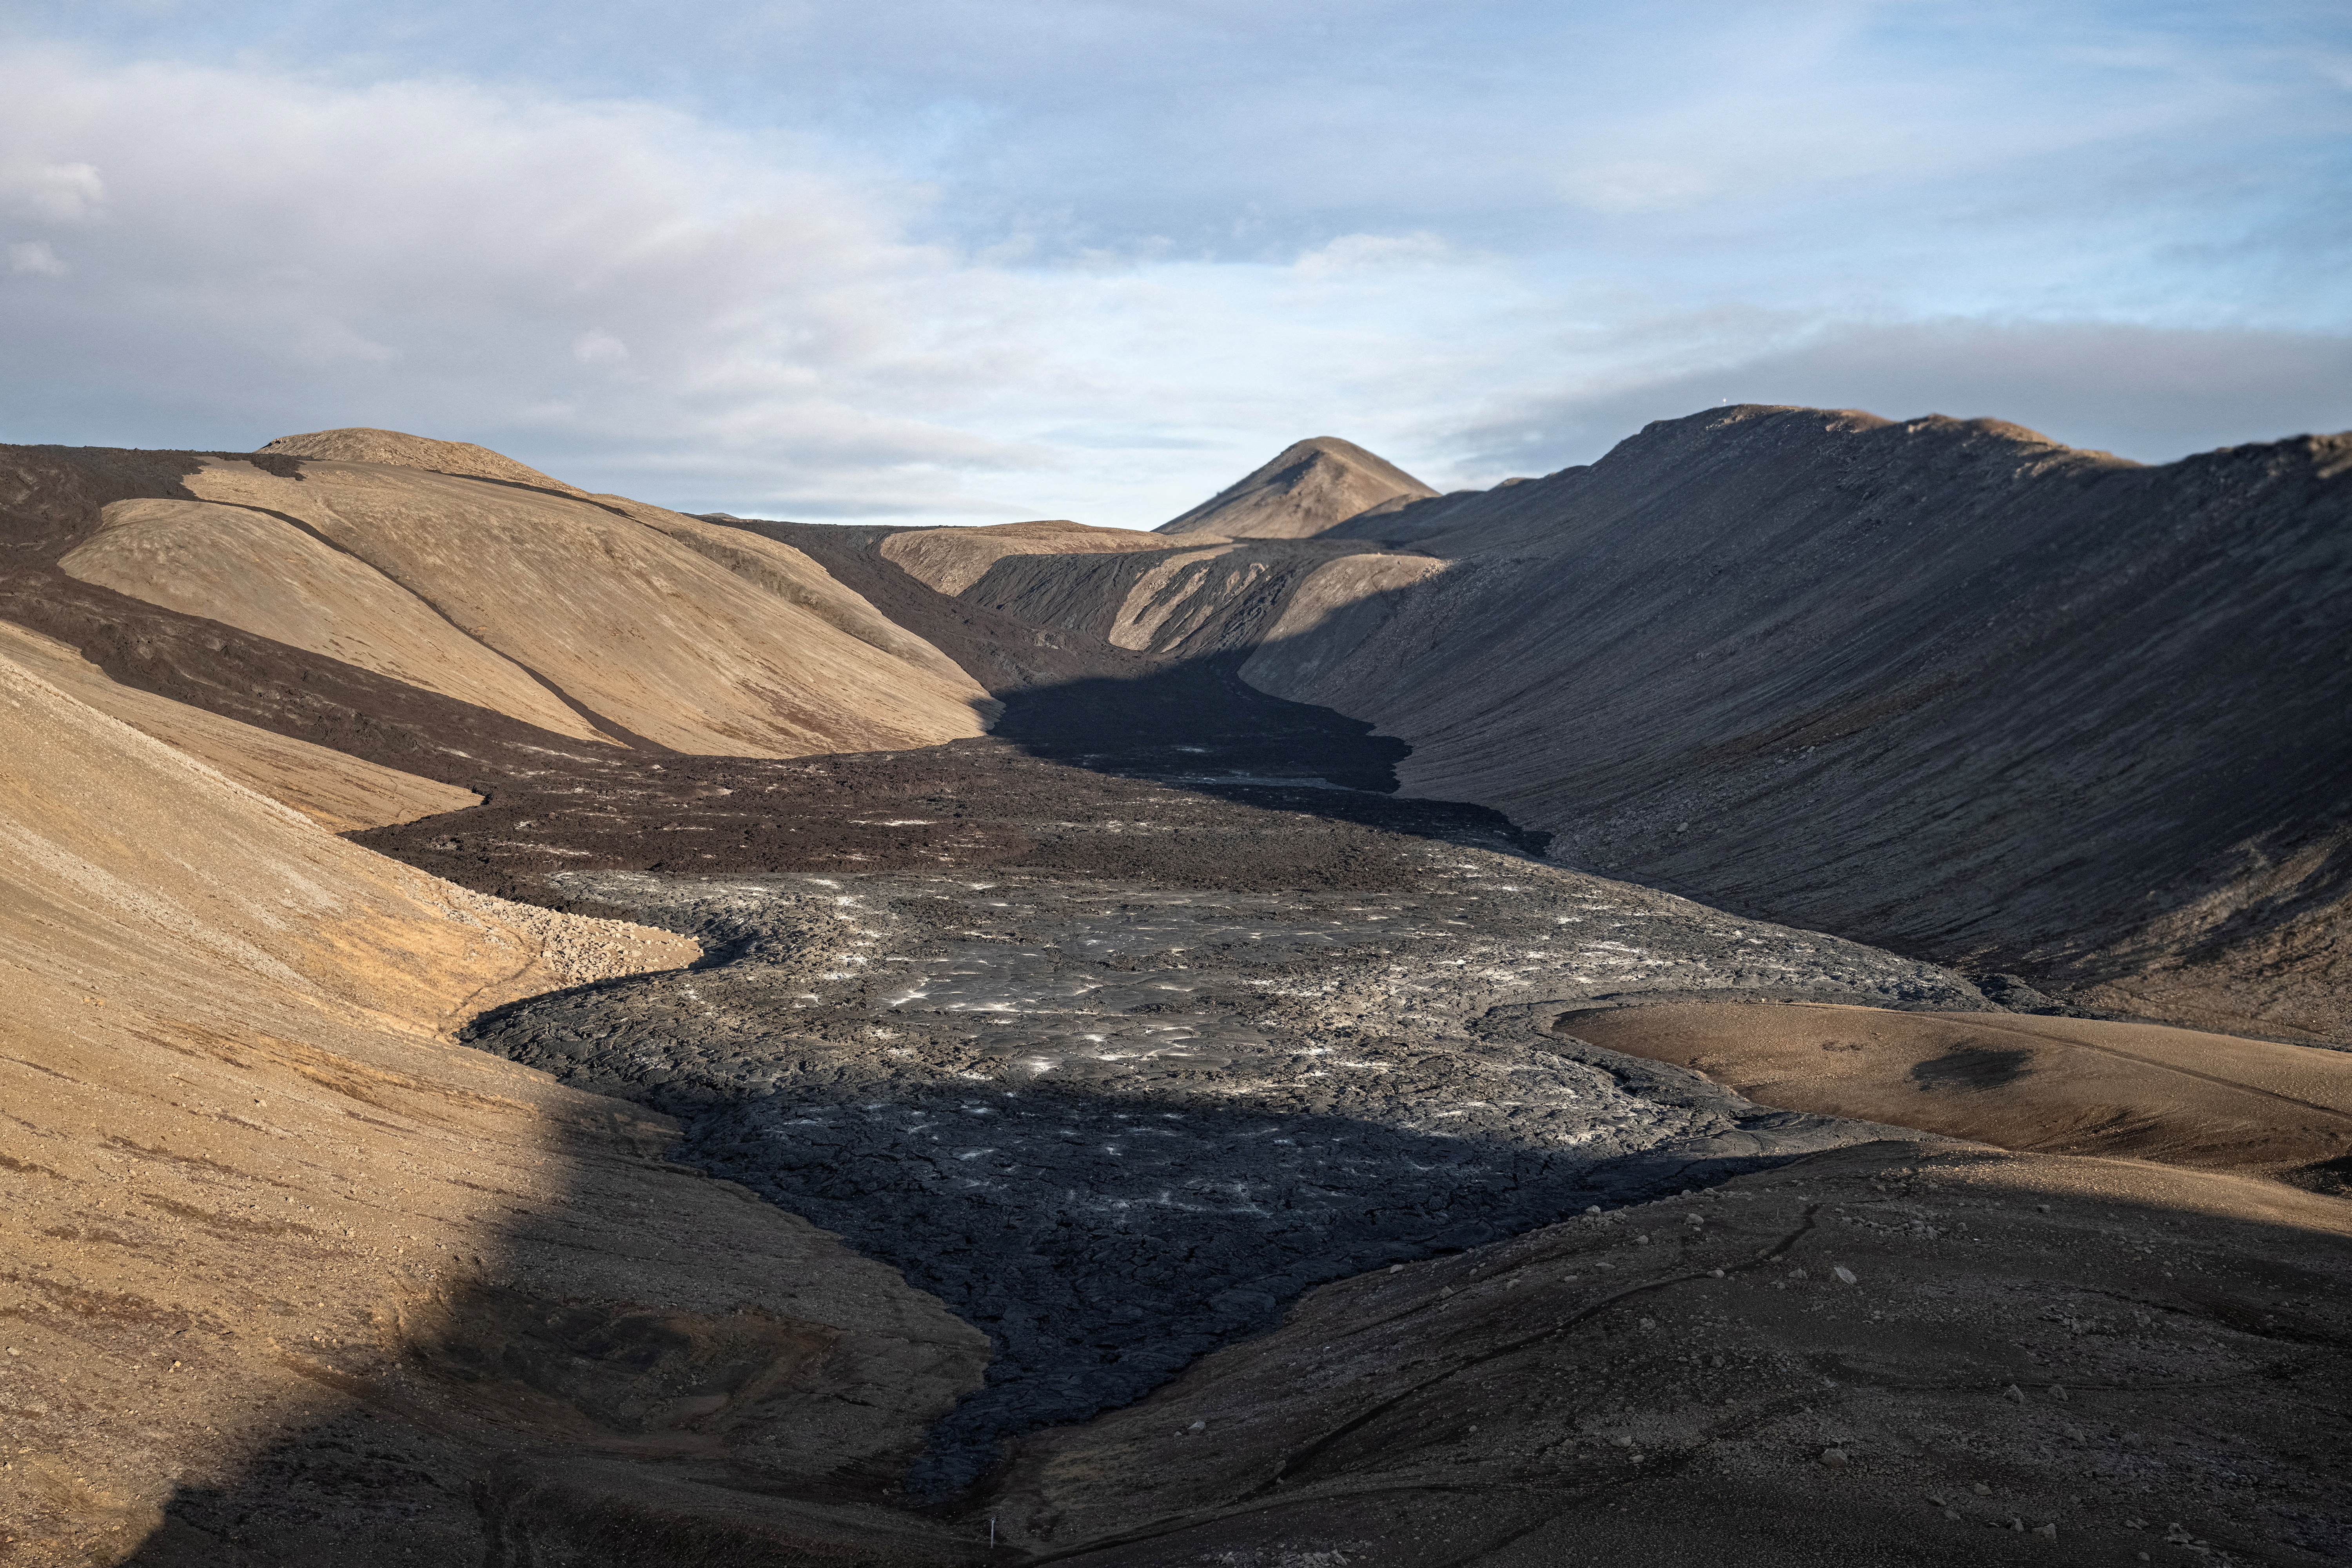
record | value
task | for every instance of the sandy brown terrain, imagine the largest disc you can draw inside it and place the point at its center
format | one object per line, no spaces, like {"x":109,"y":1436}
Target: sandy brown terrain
{"x":279,"y":1254}
{"x":397,"y":448}
{"x":2040,"y":1085}
{"x":293,"y":1276}
{"x":339,"y":791}
{"x":683,"y":636}
{"x":1310,"y":488}
{"x":950,"y":560}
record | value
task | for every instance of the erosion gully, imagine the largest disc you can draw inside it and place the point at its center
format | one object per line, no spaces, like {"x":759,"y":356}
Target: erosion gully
{"x":1119,"y":1029}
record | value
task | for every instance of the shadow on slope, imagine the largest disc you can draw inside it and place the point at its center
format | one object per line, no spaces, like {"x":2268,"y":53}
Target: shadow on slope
{"x":1941,"y":686}
{"x":1197,"y":723}
{"x":1892,"y":1352}
{"x":1105,"y":1239}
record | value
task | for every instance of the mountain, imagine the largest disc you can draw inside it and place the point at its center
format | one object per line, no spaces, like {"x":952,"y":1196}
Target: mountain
{"x":1944,"y":685}
{"x":1310,"y":488}
{"x":423,"y":618}
{"x":424,"y":879}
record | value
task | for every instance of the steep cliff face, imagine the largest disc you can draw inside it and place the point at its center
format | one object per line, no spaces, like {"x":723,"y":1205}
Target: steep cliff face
{"x":1940,"y":684}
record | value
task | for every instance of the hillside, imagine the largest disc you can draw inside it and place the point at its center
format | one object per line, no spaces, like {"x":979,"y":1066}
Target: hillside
{"x":1752,"y":1091}
{"x":256,"y":1192}
{"x":477,"y":599}
{"x":1310,"y":488}
{"x":1942,"y":685}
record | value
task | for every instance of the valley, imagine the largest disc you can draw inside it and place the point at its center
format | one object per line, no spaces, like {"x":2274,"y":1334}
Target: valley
{"x":1640,"y":1015}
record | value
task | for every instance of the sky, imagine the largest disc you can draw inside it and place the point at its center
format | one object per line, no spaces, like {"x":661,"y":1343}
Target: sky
{"x":939,"y":261}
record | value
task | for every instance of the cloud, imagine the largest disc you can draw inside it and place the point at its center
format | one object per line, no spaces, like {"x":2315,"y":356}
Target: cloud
{"x":639,"y":300}
{"x":1074,"y":258}
{"x":53,"y":193}
{"x":594,"y":347}
{"x":34,"y":256}
{"x":277,"y":254}
{"x":1358,"y":252}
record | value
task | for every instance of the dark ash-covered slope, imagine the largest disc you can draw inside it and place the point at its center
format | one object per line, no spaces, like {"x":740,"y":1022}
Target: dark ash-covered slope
{"x":1942,"y":685}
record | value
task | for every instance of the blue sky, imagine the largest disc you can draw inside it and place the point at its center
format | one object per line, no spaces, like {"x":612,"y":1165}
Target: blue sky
{"x":959,"y":262}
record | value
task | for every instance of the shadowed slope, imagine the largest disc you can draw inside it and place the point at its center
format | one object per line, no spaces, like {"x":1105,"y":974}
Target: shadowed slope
{"x":1940,"y":685}
{"x":1894,"y":1352}
{"x":1943,"y":685}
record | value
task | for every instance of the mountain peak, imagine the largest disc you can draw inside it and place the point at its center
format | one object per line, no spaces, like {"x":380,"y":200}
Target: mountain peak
{"x":1310,"y":487}
{"x":398,"y":449}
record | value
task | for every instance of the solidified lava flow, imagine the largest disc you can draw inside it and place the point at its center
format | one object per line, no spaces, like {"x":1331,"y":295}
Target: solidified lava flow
{"x":1194,"y":1022}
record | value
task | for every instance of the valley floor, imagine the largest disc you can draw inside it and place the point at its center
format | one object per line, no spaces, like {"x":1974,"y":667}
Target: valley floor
{"x":1146,"y":1027}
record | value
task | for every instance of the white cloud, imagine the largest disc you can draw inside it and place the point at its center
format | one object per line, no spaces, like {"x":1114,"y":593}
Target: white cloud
{"x":1359,"y":252}
{"x":599,"y":348}
{"x":1100,"y":281}
{"x":36,"y":258}
{"x":282,"y":254}
{"x":52,"y":193}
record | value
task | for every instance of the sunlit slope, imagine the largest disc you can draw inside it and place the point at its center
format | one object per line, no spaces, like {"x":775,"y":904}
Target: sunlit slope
{"x":591,"y":618}
{"x":950,"y":560}
{"x":252,"y":1189}
{"x":342,"y":794}
{"x":1310,"y":488}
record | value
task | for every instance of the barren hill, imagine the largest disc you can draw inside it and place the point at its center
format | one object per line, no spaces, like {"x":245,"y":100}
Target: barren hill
{"x":1310,"y":488}
{"x":389,"y":610}
{"x":398,"y":449}
{"x":1221,"y":1154}
{"x":1943,"y":684}
{"x":256,"y":1191}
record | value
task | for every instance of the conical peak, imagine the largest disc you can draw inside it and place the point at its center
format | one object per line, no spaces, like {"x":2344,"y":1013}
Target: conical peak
{"x":1310,"y":488}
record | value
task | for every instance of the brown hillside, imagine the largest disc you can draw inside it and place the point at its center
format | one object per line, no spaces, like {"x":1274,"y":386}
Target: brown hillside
{"x":398,"y":449}
{"x":600,"y":621}
{"x":1310,"y":488}
{"x":264,"y":1216}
